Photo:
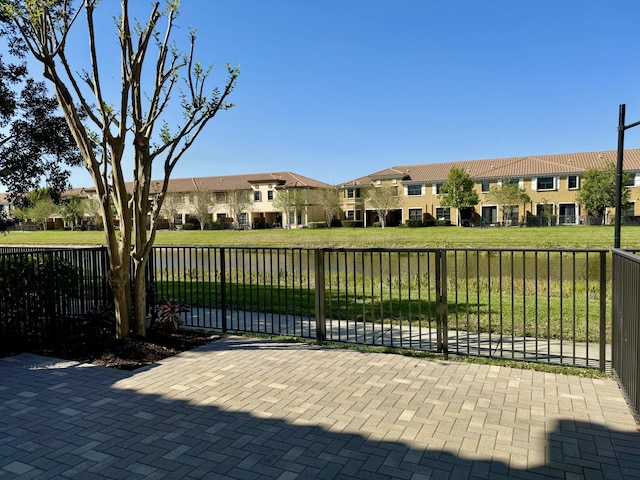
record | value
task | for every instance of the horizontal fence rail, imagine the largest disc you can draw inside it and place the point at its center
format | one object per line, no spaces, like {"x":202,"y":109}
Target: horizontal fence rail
{"x":541,"y":305}
{"x":626,"y":323}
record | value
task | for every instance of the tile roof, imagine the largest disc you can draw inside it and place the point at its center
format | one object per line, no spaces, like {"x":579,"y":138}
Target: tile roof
{"x":557,"y":164}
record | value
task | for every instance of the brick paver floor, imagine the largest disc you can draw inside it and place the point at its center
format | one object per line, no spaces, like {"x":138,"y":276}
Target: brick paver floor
{"x":248,"y":408}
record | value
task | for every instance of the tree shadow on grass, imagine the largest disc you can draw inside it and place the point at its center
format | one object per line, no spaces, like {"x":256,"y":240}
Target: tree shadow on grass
{"x":61,"y":419}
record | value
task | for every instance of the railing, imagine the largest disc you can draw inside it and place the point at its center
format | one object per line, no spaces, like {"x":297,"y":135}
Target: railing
{"x":524,"y":304}
{"x":626,"y":323}
{"x":45,"y":293}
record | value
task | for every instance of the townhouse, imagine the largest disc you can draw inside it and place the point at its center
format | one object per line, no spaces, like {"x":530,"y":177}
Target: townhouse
{"x":261,"y":189}
{"x":551,"y":182}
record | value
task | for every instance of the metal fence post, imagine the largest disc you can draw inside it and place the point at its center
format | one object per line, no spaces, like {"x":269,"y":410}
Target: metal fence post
{"x":223,"y":289}
{"x":441,"y":302}
{"x":321,"y":325}
{"x":603,"y":309}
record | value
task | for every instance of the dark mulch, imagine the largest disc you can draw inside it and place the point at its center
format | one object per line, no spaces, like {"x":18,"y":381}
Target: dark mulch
{"x":132,"y":352}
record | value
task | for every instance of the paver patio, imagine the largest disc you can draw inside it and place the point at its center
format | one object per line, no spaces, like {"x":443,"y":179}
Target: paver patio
{"x":251,"y":408}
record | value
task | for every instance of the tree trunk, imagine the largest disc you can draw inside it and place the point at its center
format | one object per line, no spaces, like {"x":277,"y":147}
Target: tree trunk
{"x":140,"y":296}
{"x":120,"y":282}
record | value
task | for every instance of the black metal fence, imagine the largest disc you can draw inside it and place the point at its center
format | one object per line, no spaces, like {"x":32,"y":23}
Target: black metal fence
{"x":45,"y":292}
{"x":626,"y":323}
{"x":523,"y":304}
{"x":543,"y":305}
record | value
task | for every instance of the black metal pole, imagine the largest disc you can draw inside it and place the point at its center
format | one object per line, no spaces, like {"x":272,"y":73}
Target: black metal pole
{"x":618,"y":218}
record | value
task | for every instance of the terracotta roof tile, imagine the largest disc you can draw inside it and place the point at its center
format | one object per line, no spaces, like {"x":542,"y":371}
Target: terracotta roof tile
{"x":557,"y":164}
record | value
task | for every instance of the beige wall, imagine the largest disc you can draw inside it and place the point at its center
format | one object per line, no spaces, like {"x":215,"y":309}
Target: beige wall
{"x":559,"y":196}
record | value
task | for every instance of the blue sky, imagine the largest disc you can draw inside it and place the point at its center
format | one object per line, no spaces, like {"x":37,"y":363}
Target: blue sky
{"x":337,"y":89}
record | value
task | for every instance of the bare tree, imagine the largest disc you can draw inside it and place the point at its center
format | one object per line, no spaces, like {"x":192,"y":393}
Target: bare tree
{"x":171,"y":208}
{"x":383,"y":200}
{"x":102,"y":127}
{"x":330,"y":202}
{"x":291,"y":202}
{"x":199,"y":205}
{"x":238,"y":201}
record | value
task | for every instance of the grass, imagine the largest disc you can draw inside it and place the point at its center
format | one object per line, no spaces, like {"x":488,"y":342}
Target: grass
{"x":577,"y":236}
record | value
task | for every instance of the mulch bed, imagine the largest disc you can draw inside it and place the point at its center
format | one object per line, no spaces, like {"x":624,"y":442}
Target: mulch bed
{"x":133,"y":352}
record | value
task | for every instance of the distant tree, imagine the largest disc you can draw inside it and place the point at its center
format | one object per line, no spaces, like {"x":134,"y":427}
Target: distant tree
{"x":200,"y":205}
{"x":508,"y":196}
{"x":458,"y":191}
{"x":238,"y":202}
{"x":36,"y":206}
{"x":383,"y":200}
{"x":598,"y":190}
{"x":171,"y":208}
{"x":290,"y":201}
{"x":330,"y":202}
{"x":72,"y":209}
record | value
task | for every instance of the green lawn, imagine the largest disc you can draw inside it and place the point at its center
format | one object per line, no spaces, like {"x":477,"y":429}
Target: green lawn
{"x":547,"y":237}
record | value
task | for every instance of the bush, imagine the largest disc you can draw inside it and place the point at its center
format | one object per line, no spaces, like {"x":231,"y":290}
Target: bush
{"x":414,"y":223}
{"x":429,"y":222}
{"x":352,"y":223}
{"x":190,"y":226}
{"x":376,"y":225}
{"x":443,"y":223}
{"x":317,"y":224}
{"x":336,"y":223}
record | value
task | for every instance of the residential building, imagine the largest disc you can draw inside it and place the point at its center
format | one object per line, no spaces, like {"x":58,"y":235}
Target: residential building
{"x":6,"y":205}
{"x":551,"y":182}
{"x":261,"y":188}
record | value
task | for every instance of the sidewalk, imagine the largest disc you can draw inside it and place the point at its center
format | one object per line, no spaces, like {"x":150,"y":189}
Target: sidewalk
{"x":250,"y":408}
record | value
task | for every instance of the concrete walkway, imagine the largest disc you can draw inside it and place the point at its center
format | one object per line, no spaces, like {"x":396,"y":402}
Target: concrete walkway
{"x":248,"y":408}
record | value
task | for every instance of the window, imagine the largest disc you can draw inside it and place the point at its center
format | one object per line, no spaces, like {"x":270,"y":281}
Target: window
{"x":270,"y":195}
{"x":572,"y":182}
{"x":436,"y":188}
{"x":415,"y":214}
{"x":443,"y":213}
{"x":350,"y":215}
{"x":632,"y":180}
{"x":513,"y":181}
{"x":257,"y":195}
{"x":414,"y":190}
{"x":358,"y":215}
{"x":353,"y":193}
{"x":486,"y":185}
{"x":629,"y":211}
{"x":545,"y":183}
{"x":220,"y":216}
{"x":221,"y":197}
{"x":394,"y":190}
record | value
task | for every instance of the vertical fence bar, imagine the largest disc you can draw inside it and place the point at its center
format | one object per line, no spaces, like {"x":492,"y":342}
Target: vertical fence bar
{"x":603,"y":308}
{"x":223,"y":289}
{"x":321,"y":325}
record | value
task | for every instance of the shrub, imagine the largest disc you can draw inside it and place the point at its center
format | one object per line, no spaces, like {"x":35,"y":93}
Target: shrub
{"x":190,"y":226}
{"x":429,"y":223}
{"x":317,"y":224}
{"x":414,"y":223}
{"x":376,"y":225}
{"x":170,"y":316}
{"x":352,"y":223}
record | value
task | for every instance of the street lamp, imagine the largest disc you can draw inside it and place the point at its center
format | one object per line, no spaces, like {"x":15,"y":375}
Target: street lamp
{"x":621,"y":128}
